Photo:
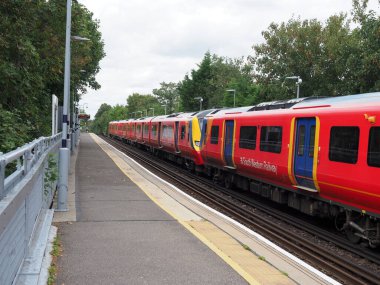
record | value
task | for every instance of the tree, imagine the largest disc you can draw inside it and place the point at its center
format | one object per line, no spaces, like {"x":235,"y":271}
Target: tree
{"x":211,"y":80}
{"x":32,"y":43}
{"x":365,"y":63}
{"x":330,"y":58}
{"x":102,"y":109}
{"x":168,"y":95}
{"x":142,"y":103}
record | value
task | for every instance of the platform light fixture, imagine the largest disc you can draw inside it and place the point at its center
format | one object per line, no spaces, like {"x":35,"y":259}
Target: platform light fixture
{"x":298,"y":82}
{"x":200,"y":102}
{"x":165,"y":105}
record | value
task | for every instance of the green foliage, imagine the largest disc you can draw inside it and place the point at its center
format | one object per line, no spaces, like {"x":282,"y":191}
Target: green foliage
{"x":168,"y":94}
{"x":51,"y":173}
{"x":211,"y":80}
{"x":13,"y":130}
{"x":330,"y":58}
{"x":32,"y":50}
{"x":140,"y":104}
{"x":365,"y":63}
{"x":102,"y":118}
{"x":56,"y":251}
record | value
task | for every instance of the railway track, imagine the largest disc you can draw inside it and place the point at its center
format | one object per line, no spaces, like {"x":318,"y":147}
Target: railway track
{"x":339,"y":267}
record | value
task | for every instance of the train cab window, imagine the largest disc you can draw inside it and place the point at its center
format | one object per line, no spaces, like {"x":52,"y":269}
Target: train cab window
{"x":271,"y":139}
{"x":214,"y":135}
{"x":301,"y":141}
{"x":373,"y":158}
{"x":183,"y":131}
{"x":344,"y":144}
{"x":248,"y":136}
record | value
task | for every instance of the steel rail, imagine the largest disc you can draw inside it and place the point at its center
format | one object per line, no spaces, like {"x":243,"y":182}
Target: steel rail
{"x":337,"y":266}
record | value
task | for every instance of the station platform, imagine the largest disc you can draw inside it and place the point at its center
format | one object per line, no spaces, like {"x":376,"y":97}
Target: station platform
{"x":127,"y":226}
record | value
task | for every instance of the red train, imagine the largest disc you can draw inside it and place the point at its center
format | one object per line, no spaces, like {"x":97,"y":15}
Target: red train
{"x":320,"y":156}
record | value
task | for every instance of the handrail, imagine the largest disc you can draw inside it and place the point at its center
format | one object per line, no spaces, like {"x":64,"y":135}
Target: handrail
{"x":26,"y":157}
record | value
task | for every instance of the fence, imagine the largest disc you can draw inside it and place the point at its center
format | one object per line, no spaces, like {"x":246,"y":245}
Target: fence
{"x":28,"y":179}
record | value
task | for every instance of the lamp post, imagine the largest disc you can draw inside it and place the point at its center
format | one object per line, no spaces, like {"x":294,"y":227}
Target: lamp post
{"x":64,"y":151}
{"x":200,"y":102}
{"x":298,"y":83}
{"x":146,"y":113}
{"x":152,"y":110}
{"x":165,"y":107}
{"x":84,"y":106}
{"x":232,"y":90}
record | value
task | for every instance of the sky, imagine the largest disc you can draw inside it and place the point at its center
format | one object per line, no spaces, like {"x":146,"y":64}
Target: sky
{"x":152,"y":41}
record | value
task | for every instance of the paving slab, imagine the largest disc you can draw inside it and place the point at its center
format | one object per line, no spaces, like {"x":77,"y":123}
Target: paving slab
{"x":122,"y":237}
{"x":227,"y":238}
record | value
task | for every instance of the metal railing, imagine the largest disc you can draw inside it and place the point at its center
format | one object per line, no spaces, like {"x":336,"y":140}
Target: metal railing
{"x":25,"y":158}
{"x":28,"y":180}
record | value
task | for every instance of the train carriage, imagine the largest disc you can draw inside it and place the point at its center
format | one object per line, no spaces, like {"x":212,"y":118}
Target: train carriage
{"x":155,"y":132}
{"x":112,"y":128}
{"x":319,"y":156}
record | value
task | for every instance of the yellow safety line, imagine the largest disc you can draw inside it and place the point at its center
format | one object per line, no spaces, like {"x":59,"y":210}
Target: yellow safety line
{"x":201,"y":237}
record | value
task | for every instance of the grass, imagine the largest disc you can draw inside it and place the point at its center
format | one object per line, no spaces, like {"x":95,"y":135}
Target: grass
{"x":53,"y":267}
{"x":283,"y":272}
{"x":262,"y":258}
{"x":246,"y":247}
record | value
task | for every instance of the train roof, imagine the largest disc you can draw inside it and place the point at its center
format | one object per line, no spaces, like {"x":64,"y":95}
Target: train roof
{"x":294,"y":104}
{"x":281,"y":104}
{"x":341,"y":101}
{"x":226,"y":111}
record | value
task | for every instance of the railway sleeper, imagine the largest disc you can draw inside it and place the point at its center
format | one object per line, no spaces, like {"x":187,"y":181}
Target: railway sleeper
{"x":357,"y":226}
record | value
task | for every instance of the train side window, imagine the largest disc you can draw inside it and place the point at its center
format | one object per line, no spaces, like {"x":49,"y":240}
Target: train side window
{"x":214,"y":135}
{"x":312,"y":141}
{"x":248,"y":136}
{"x":183,"y":131}
{"x":344,"y":144}
{"x":271,"y":139}
{"x":373,"y":158}
{"x":154,"y":130}
{"x":301,"y":141}
{"x":146,"y":130}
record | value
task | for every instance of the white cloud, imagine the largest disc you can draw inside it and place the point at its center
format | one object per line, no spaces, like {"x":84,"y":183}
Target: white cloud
{"x":148,"y":42}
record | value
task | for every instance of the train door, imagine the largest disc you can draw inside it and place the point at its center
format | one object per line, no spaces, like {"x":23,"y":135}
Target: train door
{"x":304,"y":153}
{"x":176,"y":130}
{"x":229,"y":143}
{"x":159,"y":134}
